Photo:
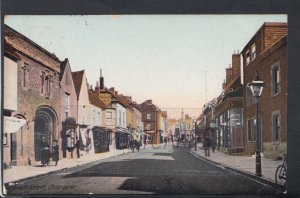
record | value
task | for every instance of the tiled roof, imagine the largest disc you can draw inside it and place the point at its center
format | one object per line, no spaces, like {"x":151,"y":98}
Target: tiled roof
{"x":149,"y":105}
{"x":77,"y":80}
{"x":116,"y":97}
{"x":94,"y":100}
{"x":9,"y":29}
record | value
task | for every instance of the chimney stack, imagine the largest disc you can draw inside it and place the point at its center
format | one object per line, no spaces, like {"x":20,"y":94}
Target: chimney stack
{"x":101,"y":80}
{"x":112,"y":89}
{"x":236,"y":66}
{"x":97,"y":89}
{"x":228,"y":75}
{"x":224,"y":85}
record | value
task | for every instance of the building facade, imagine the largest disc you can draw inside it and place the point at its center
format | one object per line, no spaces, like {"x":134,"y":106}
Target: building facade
{"x":38,"y":94}
{"x":150,"y":119}
{"x":228,"y":112}
{"x":13,"y":125}
{"x":83,"y":129}
{"x":69,"y":110}
{"x":266,"y":53}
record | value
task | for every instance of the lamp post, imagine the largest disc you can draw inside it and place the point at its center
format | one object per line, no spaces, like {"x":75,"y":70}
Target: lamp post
{"x":213,"y":126}
{"x":256,"y":87}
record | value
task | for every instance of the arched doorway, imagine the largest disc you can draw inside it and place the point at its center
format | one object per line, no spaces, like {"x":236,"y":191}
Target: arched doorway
{"x":44,"y":126}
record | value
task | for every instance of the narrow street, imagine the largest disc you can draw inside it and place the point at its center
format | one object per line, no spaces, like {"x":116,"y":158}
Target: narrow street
{"x":155,"y":170}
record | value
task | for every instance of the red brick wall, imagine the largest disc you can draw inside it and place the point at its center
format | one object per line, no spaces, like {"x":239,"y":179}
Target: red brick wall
{"x":236,"y":66}
{"x":268,"y":103}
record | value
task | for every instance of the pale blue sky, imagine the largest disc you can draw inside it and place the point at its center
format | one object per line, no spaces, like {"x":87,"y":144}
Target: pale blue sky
{"x":158,"y":57}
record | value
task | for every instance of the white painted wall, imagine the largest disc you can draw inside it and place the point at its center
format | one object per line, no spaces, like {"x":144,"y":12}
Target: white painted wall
{"x":10,"y":84}
{"x":83,"y":103}
{"x":121,"y":116}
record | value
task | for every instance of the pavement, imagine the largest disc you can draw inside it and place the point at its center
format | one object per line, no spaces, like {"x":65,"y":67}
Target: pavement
{"x":243,"y":164}
{"x":17,"y":173}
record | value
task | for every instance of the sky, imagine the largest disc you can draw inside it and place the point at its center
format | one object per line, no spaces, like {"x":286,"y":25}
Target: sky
{"x":177,"y":61}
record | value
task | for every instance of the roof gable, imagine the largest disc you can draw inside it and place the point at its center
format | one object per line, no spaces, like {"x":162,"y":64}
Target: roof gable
{"x":94,"y":100}
{"x":77,"y":80}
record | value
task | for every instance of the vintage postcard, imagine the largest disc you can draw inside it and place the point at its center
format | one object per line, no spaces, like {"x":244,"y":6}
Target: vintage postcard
{"x":144,"y":104}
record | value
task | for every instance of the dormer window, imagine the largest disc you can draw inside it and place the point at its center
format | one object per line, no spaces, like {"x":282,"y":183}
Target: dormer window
{"x":247,"y":57}
{"x":253,"y":52}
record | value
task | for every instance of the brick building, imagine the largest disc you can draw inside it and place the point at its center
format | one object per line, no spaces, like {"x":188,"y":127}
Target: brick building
{"x":150,"y":119}
{"x":266,"y":53}
{"x":228,"y":112}
{"x":38,"y":96}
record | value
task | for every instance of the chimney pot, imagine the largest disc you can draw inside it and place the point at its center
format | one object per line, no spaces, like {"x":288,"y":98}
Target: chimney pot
{"x":101,"y":80}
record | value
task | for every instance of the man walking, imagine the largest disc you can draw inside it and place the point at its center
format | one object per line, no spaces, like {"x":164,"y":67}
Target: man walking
{"x":165,"y":141}
{"x":207,"y":145}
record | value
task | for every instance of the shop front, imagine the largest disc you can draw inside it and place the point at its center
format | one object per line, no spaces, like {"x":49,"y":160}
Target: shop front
{"x":101,"y":139}
{"x":69,"y":137}
{"x":122,"y":138}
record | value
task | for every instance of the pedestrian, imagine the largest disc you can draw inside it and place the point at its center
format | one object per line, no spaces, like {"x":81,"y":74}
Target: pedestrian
{"x":145,"y":140}
{"x":77,"y":146}
{"x":172,"y":140}
{"x":213,"y":145}
{"x":206,"y":146}
{"x":55,"y":152}
{"x":165,"y":141}
{"x":137,"y":145}
{"x":131,"y":145}
{"x":45,"y":151}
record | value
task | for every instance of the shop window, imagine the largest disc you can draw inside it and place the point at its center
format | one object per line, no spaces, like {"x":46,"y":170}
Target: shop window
{"x":71,"y":138}
{"x":275,"y":80}
{"x":276,"y":127}
{"x":110,"y":139}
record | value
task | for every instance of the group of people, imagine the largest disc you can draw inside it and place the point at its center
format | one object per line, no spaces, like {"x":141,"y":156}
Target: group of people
{"x":46,"y":153}
{"x":133,"y":143}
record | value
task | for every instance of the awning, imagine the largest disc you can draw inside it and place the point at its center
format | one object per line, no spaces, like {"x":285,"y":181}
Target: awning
{"x":123,"y":130}
{"x":12,"y":124}
{"x":150,"y":132}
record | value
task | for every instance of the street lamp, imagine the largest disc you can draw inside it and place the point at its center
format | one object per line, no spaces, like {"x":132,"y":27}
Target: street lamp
{"x":256,"y":87}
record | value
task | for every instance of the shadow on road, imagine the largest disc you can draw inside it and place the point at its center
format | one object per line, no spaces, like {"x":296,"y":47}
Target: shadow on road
{"x":176,"y":173}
